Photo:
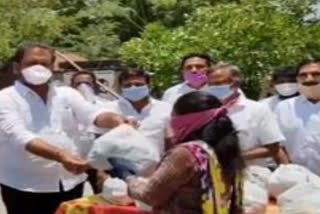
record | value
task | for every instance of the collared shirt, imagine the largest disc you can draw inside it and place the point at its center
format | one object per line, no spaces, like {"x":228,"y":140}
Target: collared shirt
{"x":256,"y":124}
{"x":272,"y":101}
{"x":299,"y":120}
{"x":172,"y":94}
{"x":153,"y":119}
{"x":25,"y":116}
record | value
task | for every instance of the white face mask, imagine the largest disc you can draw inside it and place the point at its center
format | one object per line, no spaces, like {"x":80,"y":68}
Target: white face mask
{"x":220,"y":91}
{"x":135,"y":93}
{"x":287,"y":89}
{"x":86,"y":91}
{"x":310,"y":91}
{"x":36,"y":74}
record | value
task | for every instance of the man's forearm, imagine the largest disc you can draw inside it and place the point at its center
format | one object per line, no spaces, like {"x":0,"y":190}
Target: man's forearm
{"x":41,"y":148}
{"x":260,"y":152}
{"x":70,"y":162}
{"x":271,"y":150}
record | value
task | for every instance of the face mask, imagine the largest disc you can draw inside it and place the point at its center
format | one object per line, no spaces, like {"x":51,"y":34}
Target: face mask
{"x":36,"y":74}
{"x":86,"y":91}
{"x":287,"y":89}
{"x":220,"y":91}
{"x":195,"y":79}
{"x":310,"y":91}
{"x":135,"y":93}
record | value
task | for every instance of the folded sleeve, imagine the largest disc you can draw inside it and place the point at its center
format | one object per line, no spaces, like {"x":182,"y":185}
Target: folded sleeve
{"x":268,"y":128}
{"x":12,"y":124}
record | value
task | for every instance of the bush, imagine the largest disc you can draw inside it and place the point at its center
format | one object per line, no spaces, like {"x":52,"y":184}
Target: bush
{"x":255,"y":35}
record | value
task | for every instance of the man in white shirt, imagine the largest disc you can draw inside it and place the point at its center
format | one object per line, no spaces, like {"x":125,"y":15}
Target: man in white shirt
{"x":193,"y":67}
{"x":40,"y":166}
{"x":85,"y":83}
{"x":299,"y":118}
{"x":152,"y":115}
{"x":259,"y":133}
{"x":285,"y":83}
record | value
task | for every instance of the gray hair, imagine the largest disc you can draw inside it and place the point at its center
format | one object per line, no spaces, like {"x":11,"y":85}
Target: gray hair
{"x":234,"y":70}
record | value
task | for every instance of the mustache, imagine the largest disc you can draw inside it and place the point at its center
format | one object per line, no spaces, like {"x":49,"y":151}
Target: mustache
{"x":310,"y":83}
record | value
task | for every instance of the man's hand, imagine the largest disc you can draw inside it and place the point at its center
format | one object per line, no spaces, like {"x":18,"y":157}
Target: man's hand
{"x":132,"y":122}
{"x":72,"y":163}
{"x":111,"y":120}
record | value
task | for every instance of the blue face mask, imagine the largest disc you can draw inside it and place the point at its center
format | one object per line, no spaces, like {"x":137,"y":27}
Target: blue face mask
{"x":220,"y":91}
{"x":135,"y":93}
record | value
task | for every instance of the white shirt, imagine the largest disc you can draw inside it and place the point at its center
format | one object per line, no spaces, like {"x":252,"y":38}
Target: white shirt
{"x":256,"y":124}
{"x":23,"y":117}
{"x":153,"y":119}
{"x":172,"y":94}
{"x":87,"y":134}
{"x":272,"y":101}
{"x":299,"y":120}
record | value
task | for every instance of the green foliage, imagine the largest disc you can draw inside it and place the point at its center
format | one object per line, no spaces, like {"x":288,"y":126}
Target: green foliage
{"x":28,"y":20}
{"x":95,"y":28}
{"x":256,"y":35}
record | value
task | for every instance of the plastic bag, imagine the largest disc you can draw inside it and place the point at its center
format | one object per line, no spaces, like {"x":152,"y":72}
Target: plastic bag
{"x":301,"y":199}
{"x":125,"y":143}
{"x":287,"y":176}
{"x":258,"y":175}
{"x":255,"y":198}
{"x":114,"y":187}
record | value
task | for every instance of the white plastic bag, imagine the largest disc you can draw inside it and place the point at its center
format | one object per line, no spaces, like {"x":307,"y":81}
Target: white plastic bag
{"x":114,"y":187}
{"x":125,"y":143}
{"x":255,"y":198}
{"x":301,"y":199}
{"x":287,"y":176}
{"x":258,"y":175}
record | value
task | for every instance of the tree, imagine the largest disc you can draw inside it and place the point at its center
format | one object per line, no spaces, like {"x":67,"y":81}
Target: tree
{"x":22,"y":20}
{"x":95,"y":28}
{"x":256,"y":35}
{"x":102,"y":25}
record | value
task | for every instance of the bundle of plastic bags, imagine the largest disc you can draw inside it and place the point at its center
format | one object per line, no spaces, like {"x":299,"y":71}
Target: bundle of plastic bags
{"x":258,"y":175}
{"x":123,"y":146}
{"x":255,"y":198}
{"x":296,"y":189}
{"x":287,"y":176}
{"x":301,"y":199}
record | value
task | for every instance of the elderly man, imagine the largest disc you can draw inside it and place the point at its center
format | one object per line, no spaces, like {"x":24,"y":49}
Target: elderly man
{"x":193,"y":67}
{"x":299,"y":118}
{"x":39,"y":165}
{"x":259,"y":132}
